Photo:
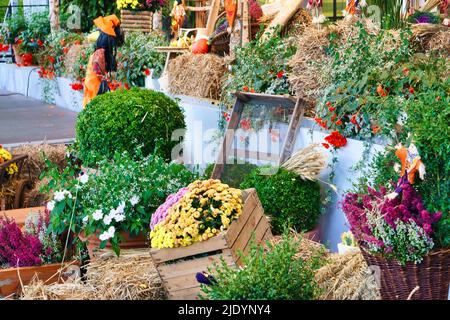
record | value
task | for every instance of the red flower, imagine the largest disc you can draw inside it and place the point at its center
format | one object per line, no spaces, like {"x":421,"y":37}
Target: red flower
{"x":280,"y":74}
{"x":381,"y":91}
{"x":333,"y":117}
{"x":147,"y":72}
{"x":252,"y":90}
{"x":225,"y":114}
{"x":245,"y":124}
{"x":245,"y":88}
{"x":438,"y":98}
{"x":331,"y":109}
{"x":321,"y":123}
{"x":328,"y":104}
{"x":40,"y":43}
{"x":27,"y":59}
{"x":411,"y":90}
{"x":339,"y":122}
{"x":326,"y":145}
{"x":19,"y":41}
{"x":406,"y":72}
{"x":353,"y":119}
{"x":65,"y":50}
{"x":51,"y":59}
{"x":77,"y":42}
{"x":62,"y":43}
{"x":376,"y":129}
{"x":336,"y":139}
{"x":126,"y":85}
{"x":76,"y":86}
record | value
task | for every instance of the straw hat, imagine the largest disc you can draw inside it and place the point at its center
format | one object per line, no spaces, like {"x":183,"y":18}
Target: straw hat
{"x":107,"y":24}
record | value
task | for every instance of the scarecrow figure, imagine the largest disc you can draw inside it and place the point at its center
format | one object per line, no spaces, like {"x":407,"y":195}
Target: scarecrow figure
{"x":353,"y":7}
{"x":411,"y":164}
{"x":178,"y":14}
{"x":103,"y":60}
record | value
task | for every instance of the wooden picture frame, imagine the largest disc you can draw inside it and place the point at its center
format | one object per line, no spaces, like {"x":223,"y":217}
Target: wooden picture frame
{"x":242,"y":98}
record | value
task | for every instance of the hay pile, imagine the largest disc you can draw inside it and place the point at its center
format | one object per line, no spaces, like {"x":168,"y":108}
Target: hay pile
{"x":298,"y":23}
{"x":199,"y":75}
{"x":439,"y":42}
{"x":37,"y":154}
{"x":36,"y":161}
{"x":347,"y":277}
{"x":132,"y":276}
{"x":310,"y":66}
{"x":306,"y":249}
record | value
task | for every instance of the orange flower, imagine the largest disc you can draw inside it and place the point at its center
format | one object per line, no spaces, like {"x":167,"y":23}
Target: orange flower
{"x":339,"y":122}
{"x":245,"y":88}
{"x":381,"y":91}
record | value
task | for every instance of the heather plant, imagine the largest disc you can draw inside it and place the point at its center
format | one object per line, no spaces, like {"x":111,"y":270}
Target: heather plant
{"x":18,"y":249}
{"x":273,"y":272}
{"x":37,"y":225}
{"x":399,"y":227}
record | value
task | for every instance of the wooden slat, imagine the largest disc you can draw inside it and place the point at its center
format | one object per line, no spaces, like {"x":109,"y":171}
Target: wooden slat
{"x":236,"y":227}
{"x":20,"y":215}
{"x":172,"y":270}
{"x":212,"y":16}
{"x":228,"y":139}
{"x":215,"y":243}
{"x":246,"y":232}
{"x":185,"y":294}
{"x":294,"y":125}
{"x":260,"y":232}
{"x":198,"y":9}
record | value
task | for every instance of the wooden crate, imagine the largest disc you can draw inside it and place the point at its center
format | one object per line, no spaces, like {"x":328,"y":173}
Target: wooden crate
{"x":177,"y":267}
{"x":20,"y":215}
{"x":136,"y":21}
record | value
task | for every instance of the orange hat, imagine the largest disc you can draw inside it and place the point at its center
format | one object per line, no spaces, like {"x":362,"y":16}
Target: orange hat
{"x":107,"y":24}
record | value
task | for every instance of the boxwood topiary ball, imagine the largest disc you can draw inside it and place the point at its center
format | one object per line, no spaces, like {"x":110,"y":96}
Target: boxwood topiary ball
{"x":123,"y":120}
{"x":289,"y":200}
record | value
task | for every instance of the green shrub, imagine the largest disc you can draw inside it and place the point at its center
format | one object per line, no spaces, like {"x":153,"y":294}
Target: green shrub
{"x":233,"y":174}
{"x":288,"y":199}
{"x":274,"y":274}
{"x":125,"y":119}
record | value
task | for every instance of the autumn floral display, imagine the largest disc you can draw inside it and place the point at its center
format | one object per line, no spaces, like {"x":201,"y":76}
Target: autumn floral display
{"x":148,"y":5}
{"x":5,"y":156}
{"x":207,"y":208}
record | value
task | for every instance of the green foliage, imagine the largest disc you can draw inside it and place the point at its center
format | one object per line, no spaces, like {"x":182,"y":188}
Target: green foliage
{"x":122,"y":120}
{"x":90,"y":9}
{"x":137,"y":187}
{"x":138,"y":54}
{"x":14,"y":26}
{"x":257,"y":66}
{"x":352,"y":104}
{"x":233,"y":174}
{"x":37,"y":28}
{"x":289,"y":200}
{"x":271,"y":274}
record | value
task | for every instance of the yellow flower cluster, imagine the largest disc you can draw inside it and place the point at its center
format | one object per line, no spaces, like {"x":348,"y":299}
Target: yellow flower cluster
{"x":128,"y":4}
{"x":203,"y":212}
{"x":6,"y":156}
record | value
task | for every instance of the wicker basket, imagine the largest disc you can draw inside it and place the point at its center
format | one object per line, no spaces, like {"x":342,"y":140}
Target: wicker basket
{"x":431,"y":276}
{"x":220,"y":44}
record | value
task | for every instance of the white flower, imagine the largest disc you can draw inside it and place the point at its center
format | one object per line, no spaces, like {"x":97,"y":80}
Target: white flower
{"x":84,"y":178}
{"x":134,"y":200}
{"x":119,"y":217}
{"x":98,"y":215}
{"x":108,"y":218}
{"x":108,"y":234}
{"x":85,"y":219}
{"x":59,"y":196}
{"x":68,"y":194}
{"x":121,"y":207}
{"x":50,"y":205}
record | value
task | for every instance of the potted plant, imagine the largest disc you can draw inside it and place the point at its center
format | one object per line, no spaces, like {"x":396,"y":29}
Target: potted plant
{"x":113,"y":206}
{"x":29,"y":252}
{"x":10,"y":32}
{"x":396,"y":233}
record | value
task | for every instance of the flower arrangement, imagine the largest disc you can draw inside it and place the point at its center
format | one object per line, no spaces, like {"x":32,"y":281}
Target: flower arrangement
{"x":120,"y":197}
{"x":32,"y":247}
{"x":147,"y":5}
{"x":5,"y":156}
{"x":399,"y":228}
{"x":207,"y":208}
